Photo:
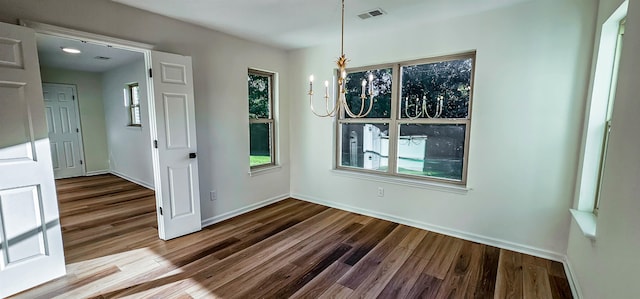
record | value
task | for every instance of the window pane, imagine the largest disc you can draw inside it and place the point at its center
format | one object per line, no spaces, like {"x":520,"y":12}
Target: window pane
{"x":434,"y":150}
{"x":259,"y":92}
{"x":365,"y":146}
{"x":260,"y":144}
{"x":135,"y":95}
{"x":381,"y":91}
{"x":136,"y":115}
{"x":424,"y":84}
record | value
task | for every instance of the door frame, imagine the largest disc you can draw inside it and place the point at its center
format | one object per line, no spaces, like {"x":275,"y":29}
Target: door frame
{"x":108,"y":41}
{"x":79,"y":123}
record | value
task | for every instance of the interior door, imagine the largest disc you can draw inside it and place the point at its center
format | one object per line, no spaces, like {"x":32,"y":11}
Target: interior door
{"x":176,"y":181}
{"x":31,"y":250}
{"x":61,"y":111}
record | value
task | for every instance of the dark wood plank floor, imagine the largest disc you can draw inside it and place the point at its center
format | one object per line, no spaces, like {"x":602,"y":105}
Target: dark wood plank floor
{"x":289,"y":249}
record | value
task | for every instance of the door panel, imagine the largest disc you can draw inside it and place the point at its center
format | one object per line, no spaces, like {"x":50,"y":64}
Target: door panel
{"x":63,"y":124}
{"x":180,"y":183}
{"x":10,"y":53}
{"x":177,"y":184}
{"x":30,"y":236}
{"x":14,"y":111}
{"x":54,"y":156}
{"x":22,"y":208}
{"x":176,"y":115}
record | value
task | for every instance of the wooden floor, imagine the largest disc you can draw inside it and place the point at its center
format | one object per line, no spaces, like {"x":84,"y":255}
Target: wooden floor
{"x":289,"y":249}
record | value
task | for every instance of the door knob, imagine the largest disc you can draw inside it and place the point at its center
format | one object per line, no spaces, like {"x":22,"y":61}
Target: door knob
{"x":192,"y":155}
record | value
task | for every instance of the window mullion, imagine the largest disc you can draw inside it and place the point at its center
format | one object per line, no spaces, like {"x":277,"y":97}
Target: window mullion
{"x":393,"y":124}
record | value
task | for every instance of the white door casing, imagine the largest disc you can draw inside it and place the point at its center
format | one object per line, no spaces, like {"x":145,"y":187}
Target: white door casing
{"x":63,"y":123}
{"x":176,"y":175}
{"x":31,"y":249}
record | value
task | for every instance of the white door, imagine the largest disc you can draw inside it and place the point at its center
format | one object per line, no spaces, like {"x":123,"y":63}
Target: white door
{"x":30,"y":238}
{"x":176,"y":178}
{"x":61,"y":111}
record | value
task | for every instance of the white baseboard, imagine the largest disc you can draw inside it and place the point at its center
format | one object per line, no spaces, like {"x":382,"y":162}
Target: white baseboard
{"x":573,"y":281}
{"x":240,"y":211}
{"x":543,"y":253}
{"x":130,"y":179}
{"x":97,"y":172}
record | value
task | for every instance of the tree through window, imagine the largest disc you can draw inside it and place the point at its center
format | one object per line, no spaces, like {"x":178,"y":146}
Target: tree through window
{"x":421,"y":130}
{"x":261,"y":121}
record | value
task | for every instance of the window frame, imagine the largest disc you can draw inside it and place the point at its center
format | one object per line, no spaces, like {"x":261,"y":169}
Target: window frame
{"x":131,"y":106}
{"x":609,"y":114}
{"x":270,"y":120}
{"x":395,"y":120}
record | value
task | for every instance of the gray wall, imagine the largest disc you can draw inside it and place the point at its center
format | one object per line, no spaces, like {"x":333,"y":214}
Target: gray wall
{"x":607,"y":267}
{"x":129,"y":147}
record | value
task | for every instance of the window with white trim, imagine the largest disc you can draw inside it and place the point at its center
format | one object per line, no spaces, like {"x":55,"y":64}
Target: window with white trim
{"x":419,"y":124}
{"x":261,"y":119}
{"x":132,"y":98}
{"x":609,"y":112}
{"x":598,"y":122}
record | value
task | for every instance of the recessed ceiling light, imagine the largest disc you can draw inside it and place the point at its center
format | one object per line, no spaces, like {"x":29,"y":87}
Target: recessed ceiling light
{"x":71,"y":50}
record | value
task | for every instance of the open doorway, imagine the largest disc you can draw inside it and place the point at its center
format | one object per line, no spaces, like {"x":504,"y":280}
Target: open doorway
{"x":97,"y":116}
{"x":96,"y":109}
{"x":168,"y":103}
{"x":29,"y":172}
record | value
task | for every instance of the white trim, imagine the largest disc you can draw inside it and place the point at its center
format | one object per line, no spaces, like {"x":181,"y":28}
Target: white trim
{"x":403,"y":181}
{"x":97,"y":172}
{"x":586,"y":221}
{"x":539,"y":252}
{"x":85,"y":36}
{"x":573,"y":280}
{"x":240,"y":211}
{"x":264,"y":170}
{"x":130,"y":179}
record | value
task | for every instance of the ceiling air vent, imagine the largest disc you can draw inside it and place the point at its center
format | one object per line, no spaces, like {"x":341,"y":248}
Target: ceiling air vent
{"x":102,"y":58}
{"x":371,"y":13}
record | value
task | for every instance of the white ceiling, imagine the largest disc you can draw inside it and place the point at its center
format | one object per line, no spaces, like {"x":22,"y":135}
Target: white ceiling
{"x":291,"y":24}
{"x":50,"y":54}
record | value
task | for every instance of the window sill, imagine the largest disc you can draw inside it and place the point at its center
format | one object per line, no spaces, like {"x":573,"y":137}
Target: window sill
{"x":264,"y":170}
{"x":404,"y":181}
{"x":586,"y":221}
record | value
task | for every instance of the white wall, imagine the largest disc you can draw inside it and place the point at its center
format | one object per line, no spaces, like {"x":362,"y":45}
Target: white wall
{"x":220,"y":64}
{"x":129,"y":147}
{"x":531,"y":76}
{"x":94,"y":136}
{"x":608,"y":267}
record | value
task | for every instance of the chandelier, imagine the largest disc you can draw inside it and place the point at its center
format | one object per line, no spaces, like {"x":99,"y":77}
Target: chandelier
{"x":341,"y":103}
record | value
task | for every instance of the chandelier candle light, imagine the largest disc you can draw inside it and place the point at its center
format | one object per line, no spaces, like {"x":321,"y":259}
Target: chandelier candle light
{"x":341,"y":103}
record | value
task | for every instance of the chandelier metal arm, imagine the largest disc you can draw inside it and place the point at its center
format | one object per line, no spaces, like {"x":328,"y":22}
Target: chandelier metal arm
{"x":417,"y":115}
{"x":326,"y":100}
{"x":360,"y":114}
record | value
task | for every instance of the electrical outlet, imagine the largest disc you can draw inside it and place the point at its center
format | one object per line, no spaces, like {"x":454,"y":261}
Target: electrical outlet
{"x":380,"y":192}
{"x":213,"y":195}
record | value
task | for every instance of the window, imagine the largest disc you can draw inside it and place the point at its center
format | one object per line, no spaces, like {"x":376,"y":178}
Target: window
{"x":132,"y":98}
{"x":598,"y":122}
{"x":419,"y":123}
{"x":609,"y":112}
{"x":261,"y":120}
